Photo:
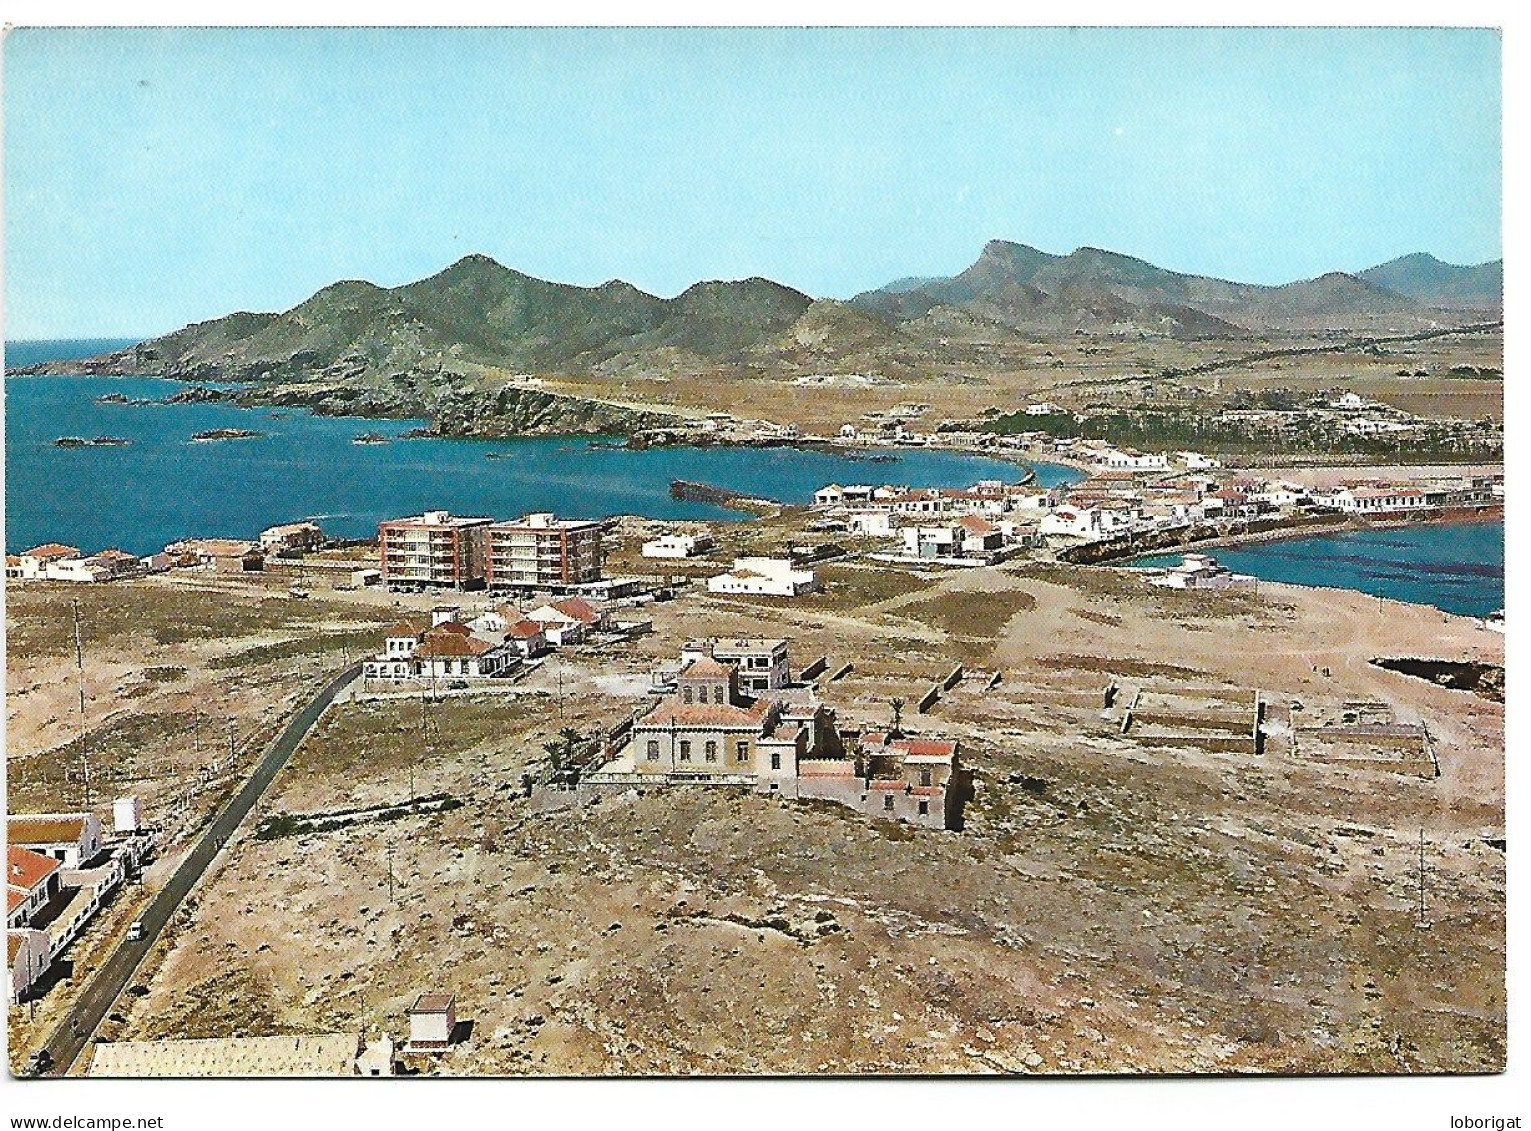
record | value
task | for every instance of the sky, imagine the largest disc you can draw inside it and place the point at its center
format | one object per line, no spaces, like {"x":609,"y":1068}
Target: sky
{"x":159,"y":177}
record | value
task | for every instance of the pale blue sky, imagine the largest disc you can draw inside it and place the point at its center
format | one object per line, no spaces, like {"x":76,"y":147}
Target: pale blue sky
{"x":154,"y":178}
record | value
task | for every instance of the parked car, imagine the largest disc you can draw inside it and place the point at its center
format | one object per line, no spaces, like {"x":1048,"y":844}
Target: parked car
{"x":136,"y":930}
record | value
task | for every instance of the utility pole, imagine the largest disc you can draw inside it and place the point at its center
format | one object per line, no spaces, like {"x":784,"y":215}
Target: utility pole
{"x":79,"y":663}
{"x":1422,"y":923}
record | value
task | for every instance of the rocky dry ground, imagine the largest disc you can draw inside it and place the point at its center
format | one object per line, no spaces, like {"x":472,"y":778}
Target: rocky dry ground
{"x":1115,"y":903}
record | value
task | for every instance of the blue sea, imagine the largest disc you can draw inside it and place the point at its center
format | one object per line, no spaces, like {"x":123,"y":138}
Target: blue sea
{"x":1457,"y":567}
{"x":163,"y":487}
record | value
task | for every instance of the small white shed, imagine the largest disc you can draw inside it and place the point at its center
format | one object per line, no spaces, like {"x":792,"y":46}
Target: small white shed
{"x":431,"y":1021}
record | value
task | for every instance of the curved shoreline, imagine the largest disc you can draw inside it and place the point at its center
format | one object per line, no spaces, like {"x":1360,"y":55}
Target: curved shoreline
{"x":1349,"y":525}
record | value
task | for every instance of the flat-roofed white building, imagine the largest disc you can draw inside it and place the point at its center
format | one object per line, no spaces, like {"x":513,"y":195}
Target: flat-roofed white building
{"x":432,"y":1020}
{"x":677,"y":545}
{"x":762,"y":664}
{"x":765,"y":577}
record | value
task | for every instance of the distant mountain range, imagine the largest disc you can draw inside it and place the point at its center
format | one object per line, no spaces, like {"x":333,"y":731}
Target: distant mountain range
{"x":1035,"y":293}
{"x":478,"y":317}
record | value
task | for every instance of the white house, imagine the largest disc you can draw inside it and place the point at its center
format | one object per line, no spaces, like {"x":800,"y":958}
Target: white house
{"x":1200,"y":571}
{"x":1072,"y":522}
{"x":569,"y":620}
{"x":872,"y":524}
{"x":31,"y":882}
{"x":26,"y":950}
{"x":767,"y":577}
{"x":1043,"y":408}
{"x":1280,"y":494}
{"x":677,"y":545}
{"x":980,"y":537}
{"x":35,"y":562}
{"x":932,"y":541}
{"x":1349,"y":402}
{"x":1195,"y":461}
{"x":1130,"y":460}
{"x":1377,"y":500}
{"x":73,"y":839}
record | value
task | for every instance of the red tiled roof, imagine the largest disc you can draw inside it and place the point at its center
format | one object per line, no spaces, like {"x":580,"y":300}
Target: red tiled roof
{"x":888,"y":784}
{"x":525,"y":629}
{"x":578,"y":608}
{"x":451,"y":626}
{"x":840,"y":768}
{"x":976,"y":525}
{"x":403,"y":628}
{"x":706,"y":667}
{"x":670,"y":709}
{"x":927,"y":790}
{"x":26,"y":869}
{"x":926,"y":747}
{"x":52,"y":829}
{"x":52,"y":550}
{"x":14,"y":898}
{"x":448,"y":646}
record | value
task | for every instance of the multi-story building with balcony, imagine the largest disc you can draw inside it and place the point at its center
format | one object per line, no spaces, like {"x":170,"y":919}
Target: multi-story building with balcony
{"x":541,"y":550}
{"x":435,"y":550}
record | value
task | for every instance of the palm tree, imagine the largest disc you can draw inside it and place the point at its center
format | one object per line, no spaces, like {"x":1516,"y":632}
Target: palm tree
{"x":897,"y":703}
{"x":561,"y":752}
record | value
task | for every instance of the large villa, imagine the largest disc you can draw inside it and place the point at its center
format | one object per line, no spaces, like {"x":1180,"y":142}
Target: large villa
{"x":705,"y":730}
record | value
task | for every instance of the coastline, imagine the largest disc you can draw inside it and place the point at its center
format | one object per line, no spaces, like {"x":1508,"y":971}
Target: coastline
{"x":1344,"y":524}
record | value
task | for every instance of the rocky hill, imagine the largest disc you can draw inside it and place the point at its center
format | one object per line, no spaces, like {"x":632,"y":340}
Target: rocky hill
{"x":1033,"y":292}
{"x":473,"y":316}
{"x":1426,"y":279}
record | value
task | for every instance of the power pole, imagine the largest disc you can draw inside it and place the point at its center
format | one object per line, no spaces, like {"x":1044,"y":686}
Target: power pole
{"x":1422,"y":923}
{"x":79,"y":663}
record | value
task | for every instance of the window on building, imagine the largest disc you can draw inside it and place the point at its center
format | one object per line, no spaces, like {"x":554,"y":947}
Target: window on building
{"x":742,"y":752}
{"x":924,"y":808}
{"x":887,"y":802}
{"x":925,"y":777}
{"x":654,"y":750}
{"x":686,"y":694}
{"x":717,"y":694}
{"x":685,"y":750}
{"x":712,"y":751}
{"x":776,"y":759}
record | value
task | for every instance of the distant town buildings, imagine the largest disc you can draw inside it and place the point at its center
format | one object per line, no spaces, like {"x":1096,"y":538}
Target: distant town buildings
{"x":55,"y":562}
{"x":225,"y":555}
{"x":292,"y":538}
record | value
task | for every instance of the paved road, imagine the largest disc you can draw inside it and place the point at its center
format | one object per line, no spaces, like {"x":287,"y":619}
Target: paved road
{"x":72,"y":1034}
